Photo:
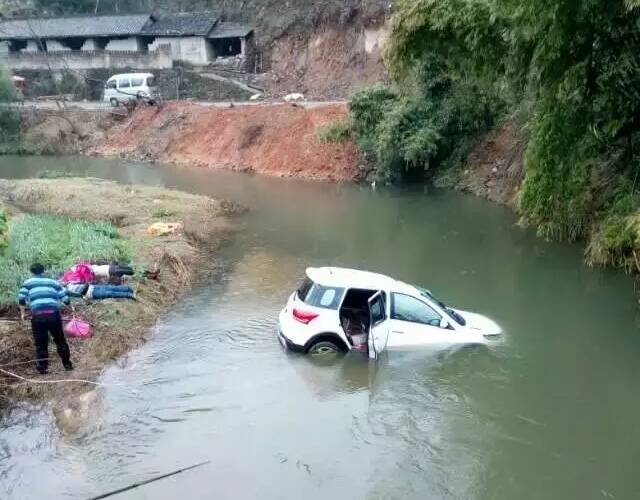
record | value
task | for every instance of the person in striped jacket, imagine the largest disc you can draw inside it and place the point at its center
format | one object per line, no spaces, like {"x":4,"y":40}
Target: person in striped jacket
{"x":44,"y":295}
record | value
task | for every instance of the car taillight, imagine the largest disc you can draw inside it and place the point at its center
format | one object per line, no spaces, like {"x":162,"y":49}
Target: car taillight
{"x":305,"y":317}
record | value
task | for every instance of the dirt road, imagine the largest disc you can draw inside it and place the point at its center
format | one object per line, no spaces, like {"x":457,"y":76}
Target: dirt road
{"x":99,"y":105}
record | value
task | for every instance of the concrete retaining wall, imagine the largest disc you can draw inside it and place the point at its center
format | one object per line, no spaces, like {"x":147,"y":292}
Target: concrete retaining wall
{"x":98,"y":59}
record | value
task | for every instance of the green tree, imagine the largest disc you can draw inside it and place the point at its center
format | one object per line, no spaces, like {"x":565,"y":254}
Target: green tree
{"x":574,"y":64}
{"x":9,"y":118}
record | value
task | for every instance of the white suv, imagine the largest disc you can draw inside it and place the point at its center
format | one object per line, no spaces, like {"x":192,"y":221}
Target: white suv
{"x":337,"y":309}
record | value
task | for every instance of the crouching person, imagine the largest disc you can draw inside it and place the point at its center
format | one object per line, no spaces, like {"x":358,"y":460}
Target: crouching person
{"x":44,"y":295}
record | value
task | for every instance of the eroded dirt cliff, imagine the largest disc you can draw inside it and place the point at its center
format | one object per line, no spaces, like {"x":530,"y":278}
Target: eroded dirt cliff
{"x":272,"y":139}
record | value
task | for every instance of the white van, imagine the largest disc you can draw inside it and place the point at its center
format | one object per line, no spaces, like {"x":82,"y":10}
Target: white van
{"x":129,"y":86}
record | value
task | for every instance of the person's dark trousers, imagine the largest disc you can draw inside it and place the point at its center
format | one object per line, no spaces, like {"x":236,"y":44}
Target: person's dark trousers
{"x":43,"y":325}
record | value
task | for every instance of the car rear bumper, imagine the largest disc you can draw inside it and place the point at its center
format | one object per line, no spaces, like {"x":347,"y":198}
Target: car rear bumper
{"x":287,"y":343}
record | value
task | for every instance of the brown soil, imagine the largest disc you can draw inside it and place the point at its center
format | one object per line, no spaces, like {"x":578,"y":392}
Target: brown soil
{"x":119,"y":325}
{"x":332,"y":61}
{"x":494,"y":169}
{"x":63,"y":131}
{"x":272,"y":139}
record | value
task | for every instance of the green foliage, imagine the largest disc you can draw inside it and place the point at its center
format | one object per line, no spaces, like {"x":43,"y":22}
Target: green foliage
{"x":57,"y":243}
{"x":4,"y":229}
{"x":406,"y":136}
{"x":7,"y":90}
{"x":335,"y":132}
{"x":9,"y":118}
{"x":576,"y":65}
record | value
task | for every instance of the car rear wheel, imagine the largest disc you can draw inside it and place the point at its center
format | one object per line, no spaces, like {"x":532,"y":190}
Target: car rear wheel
{"x":324,"y":348}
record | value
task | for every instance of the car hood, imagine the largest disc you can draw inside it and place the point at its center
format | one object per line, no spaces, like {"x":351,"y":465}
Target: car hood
{"x":477,"y":321}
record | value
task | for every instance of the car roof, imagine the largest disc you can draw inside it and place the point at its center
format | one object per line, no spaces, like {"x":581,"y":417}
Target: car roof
{"x":129,"y":75}
{"x":355,"y":278}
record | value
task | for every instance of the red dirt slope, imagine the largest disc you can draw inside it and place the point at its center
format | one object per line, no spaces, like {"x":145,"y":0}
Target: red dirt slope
{"x":273,"y":139}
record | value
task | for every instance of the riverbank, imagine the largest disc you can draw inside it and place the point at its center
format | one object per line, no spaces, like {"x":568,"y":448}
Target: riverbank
{"x":272,"y":139}
{"x":119,"y":326}
{"x":286,"y":140}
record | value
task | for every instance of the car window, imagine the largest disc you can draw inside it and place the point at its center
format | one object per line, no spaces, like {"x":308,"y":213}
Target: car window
{"x":328,"y":297}
{"x":111,"y":84}
{"x":151,"y":81}
{"x":324,"y":296}
{"x":377,"y":310}
{"x":122,"y":84}
{"x":407,"y":308}
{"x":137,"y":82}
{"x":303,"y":289}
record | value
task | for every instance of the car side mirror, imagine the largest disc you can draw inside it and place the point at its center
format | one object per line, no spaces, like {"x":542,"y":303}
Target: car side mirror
{"x":444,"y":323}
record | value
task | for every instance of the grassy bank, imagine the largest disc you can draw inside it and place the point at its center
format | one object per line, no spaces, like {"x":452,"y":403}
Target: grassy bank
{"x":59,"y":221}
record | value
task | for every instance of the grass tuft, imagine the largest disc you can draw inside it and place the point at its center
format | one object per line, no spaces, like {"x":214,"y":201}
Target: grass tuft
{"x":335,"y":132}
{"x":163,"y":213}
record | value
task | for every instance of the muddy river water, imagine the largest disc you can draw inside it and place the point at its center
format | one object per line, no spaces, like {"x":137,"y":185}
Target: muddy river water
{"x":551,"y":413}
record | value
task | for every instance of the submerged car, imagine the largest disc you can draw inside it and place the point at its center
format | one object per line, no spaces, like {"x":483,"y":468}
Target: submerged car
{"x":338,"y":310}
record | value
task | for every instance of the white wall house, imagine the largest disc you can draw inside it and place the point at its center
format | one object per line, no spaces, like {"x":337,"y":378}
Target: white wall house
{"x":191,"y":49}
{"x":132,"y":43}
{"x":199,"y":37}
{"x":196,"y":38}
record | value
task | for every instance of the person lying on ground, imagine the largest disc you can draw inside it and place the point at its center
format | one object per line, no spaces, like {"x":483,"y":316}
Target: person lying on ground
{"x":110,"y":270}
{"x":44,"y":295}
{"x":98,"y":292}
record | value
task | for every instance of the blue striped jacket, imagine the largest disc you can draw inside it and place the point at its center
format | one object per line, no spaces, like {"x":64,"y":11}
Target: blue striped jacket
{"x":42,"y":293}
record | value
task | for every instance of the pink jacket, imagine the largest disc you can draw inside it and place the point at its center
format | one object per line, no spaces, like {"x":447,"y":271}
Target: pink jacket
{"x":80,"y":273}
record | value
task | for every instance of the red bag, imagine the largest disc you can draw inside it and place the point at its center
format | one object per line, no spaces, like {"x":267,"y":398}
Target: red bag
{"x":77,"y":327}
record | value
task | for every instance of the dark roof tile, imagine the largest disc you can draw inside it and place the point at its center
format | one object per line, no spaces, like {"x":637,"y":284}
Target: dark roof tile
{"x":230,"y":30}
{"x":182,"y":24}
{"x":73,"y":26}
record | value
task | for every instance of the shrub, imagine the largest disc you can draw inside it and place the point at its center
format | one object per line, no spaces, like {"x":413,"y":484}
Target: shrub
{"x":409,"y":136}
{"x":9,"y":118}
{"x":4,"y":229}
{"x":335,"y":132}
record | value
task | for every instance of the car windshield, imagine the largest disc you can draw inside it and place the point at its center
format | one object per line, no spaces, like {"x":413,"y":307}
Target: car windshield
{"x":451,"y":312}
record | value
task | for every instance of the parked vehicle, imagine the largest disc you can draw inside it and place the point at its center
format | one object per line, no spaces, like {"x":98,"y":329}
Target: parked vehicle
{"x":130,"y":86}
{"x":337,"y":309}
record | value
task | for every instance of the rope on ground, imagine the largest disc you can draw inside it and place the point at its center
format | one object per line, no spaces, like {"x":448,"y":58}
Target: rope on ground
{"x":17,"y":363}
{"x":58,"y":381}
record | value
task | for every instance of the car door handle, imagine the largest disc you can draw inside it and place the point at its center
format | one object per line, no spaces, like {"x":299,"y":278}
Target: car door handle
{"x":398,"y":331}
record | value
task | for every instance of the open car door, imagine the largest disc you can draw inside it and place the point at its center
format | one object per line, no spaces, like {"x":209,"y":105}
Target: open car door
{"x":378,"y":325}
